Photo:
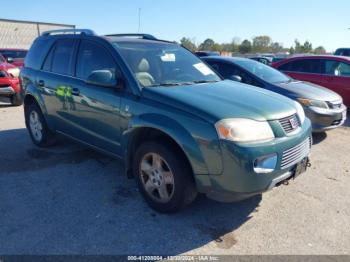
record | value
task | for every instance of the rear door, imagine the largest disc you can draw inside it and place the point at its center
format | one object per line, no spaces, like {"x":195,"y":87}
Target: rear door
{"x":95,"y":110}
{"x":55,"y":79}
{"x":337,"y":78}
{"x":309,"y":70}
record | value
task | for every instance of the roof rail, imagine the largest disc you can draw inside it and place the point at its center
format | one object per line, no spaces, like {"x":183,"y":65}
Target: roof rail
{"x":68,"y":31}
{"x":142,"y":36}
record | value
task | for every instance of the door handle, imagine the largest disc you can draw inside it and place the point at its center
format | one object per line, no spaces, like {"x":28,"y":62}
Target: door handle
{"x":75,"y":92}
{"x":41,"y":83}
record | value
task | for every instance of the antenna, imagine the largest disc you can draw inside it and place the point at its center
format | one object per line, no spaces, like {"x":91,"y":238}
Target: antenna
{"x":139,"y":21}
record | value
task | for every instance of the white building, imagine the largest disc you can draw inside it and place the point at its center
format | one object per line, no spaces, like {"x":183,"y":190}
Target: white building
{"x":21,"y":34}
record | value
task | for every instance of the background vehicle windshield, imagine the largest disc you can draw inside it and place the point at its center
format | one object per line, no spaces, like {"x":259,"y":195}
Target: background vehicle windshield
{"x":262,"y":71}
{"x":14,"y":54}
{"x":161,"y":64}
{"x":2,"y":59}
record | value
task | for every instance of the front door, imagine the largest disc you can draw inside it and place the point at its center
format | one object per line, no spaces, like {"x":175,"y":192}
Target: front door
{"x":94,"y":110}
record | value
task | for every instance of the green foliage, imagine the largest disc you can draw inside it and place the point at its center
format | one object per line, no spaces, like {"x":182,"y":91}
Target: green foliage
{"x":259,"y":44}
{"x":207,"y":45}
{"x":188,"y":43}
{"x":262,"y":44}
{"x":245,"y":47}
{"x":320,"y":50}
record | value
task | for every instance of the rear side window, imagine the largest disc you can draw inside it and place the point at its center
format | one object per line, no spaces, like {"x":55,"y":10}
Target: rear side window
{"x":337,"y":68}
{"x":314,"y":66}
{"x":93,"y":57}
{"x":37,"y":53}
{"x":62,"y":59}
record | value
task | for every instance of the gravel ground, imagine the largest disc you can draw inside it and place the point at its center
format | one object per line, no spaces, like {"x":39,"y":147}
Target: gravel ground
{"x":71,"y":200}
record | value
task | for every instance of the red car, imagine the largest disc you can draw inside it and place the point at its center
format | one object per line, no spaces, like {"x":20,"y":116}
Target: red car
{"x":332,"y":72}
{"x":9,"y":82}
{"x":14,"y":56}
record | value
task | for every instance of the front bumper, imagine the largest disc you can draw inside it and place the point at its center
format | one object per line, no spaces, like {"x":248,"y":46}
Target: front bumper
{"x":7,"y":90}
{"x":325,"y":119}
{"x":239,"y":181}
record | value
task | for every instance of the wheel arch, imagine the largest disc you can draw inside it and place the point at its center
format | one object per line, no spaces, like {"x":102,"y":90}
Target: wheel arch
{"x":161,"y":128}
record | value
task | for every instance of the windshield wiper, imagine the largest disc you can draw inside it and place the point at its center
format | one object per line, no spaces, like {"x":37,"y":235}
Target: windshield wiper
{"x":205,"y":81}
{"x":166,"y":84}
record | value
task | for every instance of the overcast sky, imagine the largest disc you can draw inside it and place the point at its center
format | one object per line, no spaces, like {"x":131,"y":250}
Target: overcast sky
{"x":323,"y":22}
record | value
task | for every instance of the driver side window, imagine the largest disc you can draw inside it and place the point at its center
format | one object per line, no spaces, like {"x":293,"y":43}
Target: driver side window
{"x":92,"y":57}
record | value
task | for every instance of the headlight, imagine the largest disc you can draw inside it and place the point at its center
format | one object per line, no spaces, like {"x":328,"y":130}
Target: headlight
{"x":14,"y":72}
{"x":315,"y":103}
{"x":244,"y":130}
{"x":300,"y":112}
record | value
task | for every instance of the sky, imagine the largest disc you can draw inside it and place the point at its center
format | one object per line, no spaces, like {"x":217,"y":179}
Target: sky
{"x":323,"y":22}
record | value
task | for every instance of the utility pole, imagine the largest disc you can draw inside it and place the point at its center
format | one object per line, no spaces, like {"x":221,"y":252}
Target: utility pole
{"x":139,"y":21}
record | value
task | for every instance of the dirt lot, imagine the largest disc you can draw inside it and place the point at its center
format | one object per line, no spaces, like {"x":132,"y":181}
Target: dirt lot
{"x":71,"y":200}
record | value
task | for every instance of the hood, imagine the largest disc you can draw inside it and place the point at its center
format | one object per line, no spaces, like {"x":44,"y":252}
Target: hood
{"x":224,"y":99}
{"x":298,"y":89}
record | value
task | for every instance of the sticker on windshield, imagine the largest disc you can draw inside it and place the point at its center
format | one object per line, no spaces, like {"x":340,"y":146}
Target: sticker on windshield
{"x":203,"y":69}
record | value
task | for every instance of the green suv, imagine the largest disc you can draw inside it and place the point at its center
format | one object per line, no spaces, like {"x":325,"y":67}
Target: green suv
{"x":180,"y":128}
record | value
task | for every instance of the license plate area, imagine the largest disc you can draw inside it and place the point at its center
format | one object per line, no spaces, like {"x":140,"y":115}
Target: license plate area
{"x":301,"y":167}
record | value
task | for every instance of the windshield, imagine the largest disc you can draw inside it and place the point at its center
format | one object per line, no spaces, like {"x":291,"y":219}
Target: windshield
{"x":164,"y":64}
{"x":262,"y":71}
{"x":2,"y":59}
{"x":14,"y":54}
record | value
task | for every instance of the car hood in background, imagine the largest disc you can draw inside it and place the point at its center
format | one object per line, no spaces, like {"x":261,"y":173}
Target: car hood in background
{"x":298,"y":89}
{"x":224,"y":99}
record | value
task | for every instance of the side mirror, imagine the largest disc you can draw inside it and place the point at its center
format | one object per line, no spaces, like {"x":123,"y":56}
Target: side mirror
{"x":103,"y":78}
{"x":235,"y":78}
{"x":10,"y":60}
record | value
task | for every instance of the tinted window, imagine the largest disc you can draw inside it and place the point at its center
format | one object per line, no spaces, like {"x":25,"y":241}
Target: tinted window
{"x":229,"y":70}
{"x":2,"y":59}
{"x":343,"y":52}
{"x":63,"y":57}
{"x":262,"y":71}
{"x":337,"y":68}
{"x":93,"y":57}
{"x":15,"y":54}
{"x":37,"y":53}
{"x":304,"y":66}
{"x":48,"y":61}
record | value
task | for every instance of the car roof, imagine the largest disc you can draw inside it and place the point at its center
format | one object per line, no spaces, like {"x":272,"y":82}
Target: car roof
{"x":340,"y":58}
{"x":13,"y":49}
{"x":230,"y":59}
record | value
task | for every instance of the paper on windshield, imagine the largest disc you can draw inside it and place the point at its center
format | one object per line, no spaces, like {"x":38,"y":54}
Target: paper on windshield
{"x":203,"y":69}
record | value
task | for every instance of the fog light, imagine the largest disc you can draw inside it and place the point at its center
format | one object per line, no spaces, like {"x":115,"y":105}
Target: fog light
{"x":265,"y":164}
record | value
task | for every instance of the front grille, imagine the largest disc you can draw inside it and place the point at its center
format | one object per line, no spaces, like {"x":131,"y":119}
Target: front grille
{"x":295,"y":154}
{"x":290,"y":124}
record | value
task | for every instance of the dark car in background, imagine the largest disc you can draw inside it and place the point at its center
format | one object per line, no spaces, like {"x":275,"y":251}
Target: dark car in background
{"x":342,"y":52}
{"x":207,"y":53}
{"x":323,"y":106}
{"x":14,"y":56}
{"x":9,"y":82}
{"x":262,"y":59}
{"x":332,"y":72}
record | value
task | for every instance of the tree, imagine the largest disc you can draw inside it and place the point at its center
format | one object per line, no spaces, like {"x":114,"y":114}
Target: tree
{"x":188,"y":43}
{"x":245,"y":47}
{"x":262,"y":43}
{"x":276,"y":47}
{"x":302,"y":49}
{"x":207,"y":45}
{"x":320,"y":50}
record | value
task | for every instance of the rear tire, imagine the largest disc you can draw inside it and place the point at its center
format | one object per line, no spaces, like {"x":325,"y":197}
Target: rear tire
{"x":37,"y":127}
{"x":164,"y":177}
{"x":16,"y":99}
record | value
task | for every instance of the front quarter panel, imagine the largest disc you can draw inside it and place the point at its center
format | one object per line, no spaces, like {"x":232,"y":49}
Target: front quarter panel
{"x":196,"y":137}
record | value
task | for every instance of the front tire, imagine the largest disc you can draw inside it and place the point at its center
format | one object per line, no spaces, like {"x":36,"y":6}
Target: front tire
{"x":164,"y":177}
{"x":37,"y":127}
